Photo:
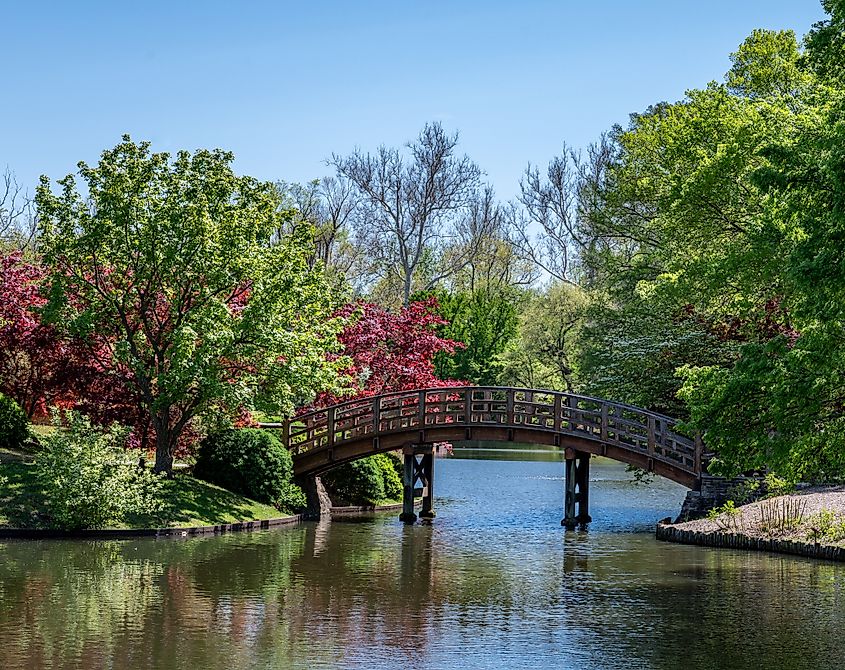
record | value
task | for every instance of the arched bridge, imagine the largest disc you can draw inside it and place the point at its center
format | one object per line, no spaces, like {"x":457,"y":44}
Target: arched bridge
{"x":415,"y":420}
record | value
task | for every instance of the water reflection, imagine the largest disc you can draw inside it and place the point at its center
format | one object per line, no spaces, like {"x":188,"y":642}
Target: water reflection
{"x":493,"y":583}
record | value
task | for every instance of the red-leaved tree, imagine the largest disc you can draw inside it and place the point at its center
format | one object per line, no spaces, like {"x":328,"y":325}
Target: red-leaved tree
{"x":391,"y":351}
{"x":39,"y":367}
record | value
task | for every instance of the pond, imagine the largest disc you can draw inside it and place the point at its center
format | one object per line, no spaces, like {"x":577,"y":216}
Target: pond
{"x":494,"y":582}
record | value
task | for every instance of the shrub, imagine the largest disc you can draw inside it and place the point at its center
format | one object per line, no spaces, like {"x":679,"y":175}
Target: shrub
{"x":777,"y":486}
{"x":827,"y":525}
{"x":779,"y":516}
{"x":14,"y":426}
{"x":727,"y":516}
{"x":370,"y":480}
{"x":252,"y":462}
{"x":89,"y":479}
{"x":390,"y":476}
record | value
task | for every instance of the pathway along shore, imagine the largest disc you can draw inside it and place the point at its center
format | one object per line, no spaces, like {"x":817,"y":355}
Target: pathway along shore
{"x":810,"y":523}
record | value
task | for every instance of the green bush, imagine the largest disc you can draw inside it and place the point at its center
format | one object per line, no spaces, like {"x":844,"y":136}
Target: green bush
{"x":369,"y":480}
{"x":14,"y":426}
{"x":90,"y":481}
{"x":390,"y":475}
{"x":253,"y":462}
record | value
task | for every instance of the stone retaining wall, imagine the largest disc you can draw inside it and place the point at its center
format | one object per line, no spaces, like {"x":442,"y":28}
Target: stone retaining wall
{"x":715,"y":491}
{"x":670,"y":533}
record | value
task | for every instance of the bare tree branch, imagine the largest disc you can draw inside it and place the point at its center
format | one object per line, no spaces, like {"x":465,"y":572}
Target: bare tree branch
{"x":411,"y":204}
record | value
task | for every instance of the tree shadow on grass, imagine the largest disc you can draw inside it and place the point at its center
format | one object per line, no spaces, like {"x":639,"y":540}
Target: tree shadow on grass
{"x":192,"y":502}
{"x":22,"y":501}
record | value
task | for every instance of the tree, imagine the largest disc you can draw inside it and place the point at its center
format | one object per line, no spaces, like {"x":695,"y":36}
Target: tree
{"x":171,"y":263}
{"x":328,"y":205}
{"x":484,"y":321}
{"x":713,"y":244}
{"x":17,"y":225}
{"x":39,"y":366}
{"x":411,"y":206}
{"x":544,"y":351}
{"x":781,"y":404}
{"x":390,"y":351}
{"x":553,"y":206}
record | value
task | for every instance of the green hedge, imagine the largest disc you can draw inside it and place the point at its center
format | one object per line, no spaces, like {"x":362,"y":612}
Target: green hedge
{"x":253,"y":462}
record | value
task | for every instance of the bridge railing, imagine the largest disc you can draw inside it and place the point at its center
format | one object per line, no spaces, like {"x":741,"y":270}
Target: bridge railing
{"x":610,"y":423}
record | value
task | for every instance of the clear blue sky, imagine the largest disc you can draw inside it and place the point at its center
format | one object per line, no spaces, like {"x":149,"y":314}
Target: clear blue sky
{"x":285,"y":84}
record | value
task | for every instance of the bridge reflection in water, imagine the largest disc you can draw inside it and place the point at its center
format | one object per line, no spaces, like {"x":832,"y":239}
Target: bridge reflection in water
{"x":415,"y":421}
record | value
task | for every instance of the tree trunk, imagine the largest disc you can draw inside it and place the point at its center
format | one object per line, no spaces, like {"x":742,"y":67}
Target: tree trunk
{"x":164,"y":446}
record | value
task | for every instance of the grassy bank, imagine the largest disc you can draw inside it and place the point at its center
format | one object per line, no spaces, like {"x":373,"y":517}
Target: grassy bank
{"x":188,"y":501}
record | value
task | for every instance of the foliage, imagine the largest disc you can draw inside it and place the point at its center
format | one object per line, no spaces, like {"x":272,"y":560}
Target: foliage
{"x":745,"y":491}
{"x":640,"y":477}
{"x":712,"y":233}
{"x":484,"y":321}
{"x":777,"y":486}
{"x":38,"y":366}
{"x":543,"y":353}
{"x":370,"y":480}
{"x":170,"y":265}
{"x":250,"y":461}
{"x":390,"y":351}
{"x":727,"y":517}
{"x":183,"y":501}
{"x":827,"y":526}
{"x":390,"y":473}
{"x":90,"y":481}
{"x":14,"y":427}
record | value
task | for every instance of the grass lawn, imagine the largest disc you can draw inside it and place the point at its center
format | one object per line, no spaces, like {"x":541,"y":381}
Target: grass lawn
{"x":188,"y":501}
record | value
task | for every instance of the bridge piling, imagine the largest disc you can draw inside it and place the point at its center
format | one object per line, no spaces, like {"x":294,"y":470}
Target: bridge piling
{"x":576,"y":504}
{"x":419,"y":467}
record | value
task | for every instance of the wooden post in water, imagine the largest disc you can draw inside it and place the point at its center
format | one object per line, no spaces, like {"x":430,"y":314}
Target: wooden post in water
{"x":408,"y":515}
{"x":419,"y":468}
{"x":576,"y":503}
{"x":427,"y":478}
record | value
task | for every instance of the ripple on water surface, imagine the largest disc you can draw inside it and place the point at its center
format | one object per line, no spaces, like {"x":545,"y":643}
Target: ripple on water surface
{"x":493,"y":583}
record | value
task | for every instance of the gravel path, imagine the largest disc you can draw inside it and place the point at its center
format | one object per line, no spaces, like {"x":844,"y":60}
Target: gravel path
{"x":793,"y":516}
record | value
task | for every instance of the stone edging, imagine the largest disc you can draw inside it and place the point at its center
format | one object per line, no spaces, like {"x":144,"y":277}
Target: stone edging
{"x":367,"y":509}
{"x":217,"y":529}
{"x":669,"y":533}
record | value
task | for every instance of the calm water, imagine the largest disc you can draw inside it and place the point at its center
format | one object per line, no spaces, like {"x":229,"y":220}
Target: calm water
{"x":494,"y":583}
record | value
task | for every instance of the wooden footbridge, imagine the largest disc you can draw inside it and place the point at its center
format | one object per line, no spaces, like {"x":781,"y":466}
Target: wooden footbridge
{"x":415,"y":421}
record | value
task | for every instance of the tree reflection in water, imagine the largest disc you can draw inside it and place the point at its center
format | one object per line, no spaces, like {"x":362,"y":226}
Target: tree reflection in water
{"x":493,"y":583}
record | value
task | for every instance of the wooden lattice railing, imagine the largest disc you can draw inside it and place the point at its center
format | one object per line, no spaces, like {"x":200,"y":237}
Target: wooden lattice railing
{"x":629,"y":428}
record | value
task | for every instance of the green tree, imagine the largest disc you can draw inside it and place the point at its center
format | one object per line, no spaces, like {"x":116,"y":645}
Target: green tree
{"x":543,"y":354}
{"x":715,"y":240}
{"x":781,"y":405}
{"x":485,"y":321}
{"x":169,"y":265}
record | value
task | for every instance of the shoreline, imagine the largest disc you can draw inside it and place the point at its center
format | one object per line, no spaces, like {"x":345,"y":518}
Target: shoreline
{"x":185,"y":531}
{"x":669,"y":532}
{"x":809,"y":523}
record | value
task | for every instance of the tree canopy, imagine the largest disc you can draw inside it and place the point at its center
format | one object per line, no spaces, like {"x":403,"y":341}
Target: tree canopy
{"x":170,"y":265}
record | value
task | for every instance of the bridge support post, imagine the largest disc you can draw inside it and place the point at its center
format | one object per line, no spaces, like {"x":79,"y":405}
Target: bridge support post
{"x":419,"y":469}
{"x":576,"y":504}
{"x":318,"y":503}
